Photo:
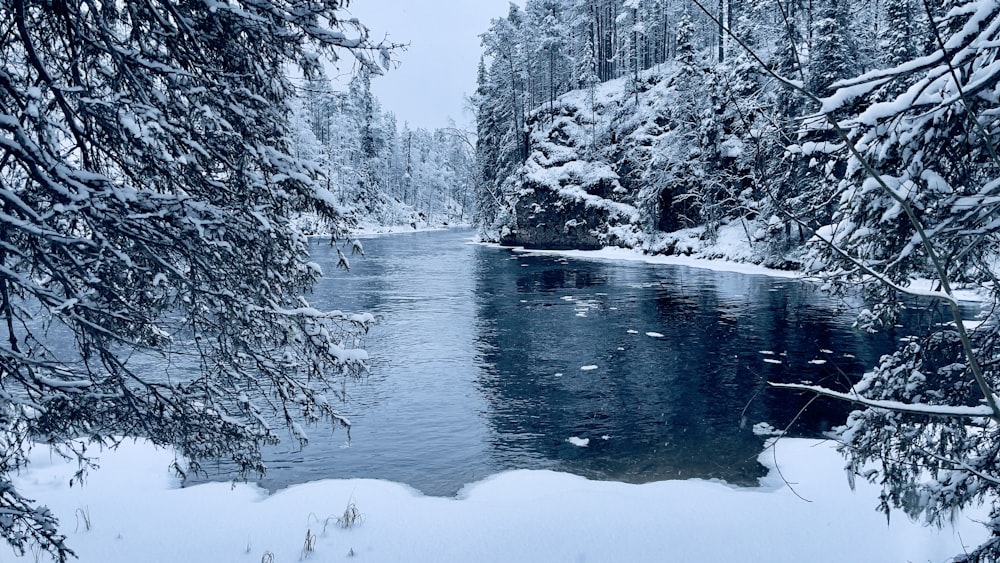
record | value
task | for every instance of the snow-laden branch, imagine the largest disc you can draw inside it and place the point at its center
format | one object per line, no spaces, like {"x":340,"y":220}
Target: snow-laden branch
{"x":983,"y":411}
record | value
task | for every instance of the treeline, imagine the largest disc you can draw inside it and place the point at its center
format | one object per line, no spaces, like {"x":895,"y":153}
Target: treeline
{"x":380,"y":172}
{"x":695,"y":129}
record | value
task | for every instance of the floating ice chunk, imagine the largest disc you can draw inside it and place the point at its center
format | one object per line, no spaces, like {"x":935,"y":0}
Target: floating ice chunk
{"x":825,"y":351}
{"x":588,"y":368}
{"x":765,"y":429}
{"x":633,"y":331}
{"x":654,"y":335}
{"x":605,"y":437}
{"x":772,"y":361}
{"x":767,"y":352}
{"x":817,"y":362}
{"x":559,"y":375}
{"x":579,"y":442}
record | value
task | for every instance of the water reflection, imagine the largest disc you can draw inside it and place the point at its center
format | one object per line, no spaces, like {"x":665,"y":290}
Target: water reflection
{"x":662,"y":370}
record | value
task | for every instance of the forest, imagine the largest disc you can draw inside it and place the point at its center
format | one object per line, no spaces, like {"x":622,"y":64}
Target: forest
{"x":380,"y":171}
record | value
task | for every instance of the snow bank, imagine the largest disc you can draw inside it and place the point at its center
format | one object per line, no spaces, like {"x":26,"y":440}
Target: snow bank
{"x":138,"y":513}
{"x":729,"y":252}
{"x":369,"y":230}
{"x":706,"y":260}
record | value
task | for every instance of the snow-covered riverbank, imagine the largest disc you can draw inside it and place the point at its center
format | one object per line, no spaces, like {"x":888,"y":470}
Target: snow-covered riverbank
{"x":137,"y":512}
{"x":728,"y":252}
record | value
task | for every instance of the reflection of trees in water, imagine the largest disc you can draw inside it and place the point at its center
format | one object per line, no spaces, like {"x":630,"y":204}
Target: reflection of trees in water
{"x":679,"y":406}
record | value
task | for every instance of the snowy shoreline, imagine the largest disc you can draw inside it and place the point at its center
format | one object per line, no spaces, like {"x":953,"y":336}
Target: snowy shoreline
{"x":727,"y":254}
{"x":976,"y":295}
{"x":723,"y":256}
{"x":613,"y":253}
{"x":373,"y":231}
{"x":137,"y":512}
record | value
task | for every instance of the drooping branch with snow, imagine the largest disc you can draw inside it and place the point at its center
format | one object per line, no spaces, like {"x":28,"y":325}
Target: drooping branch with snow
{"x":914,"y":178}
{"x":147,"y":194}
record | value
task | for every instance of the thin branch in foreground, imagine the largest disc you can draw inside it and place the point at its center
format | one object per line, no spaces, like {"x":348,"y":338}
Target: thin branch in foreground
{"x":950,"y":411}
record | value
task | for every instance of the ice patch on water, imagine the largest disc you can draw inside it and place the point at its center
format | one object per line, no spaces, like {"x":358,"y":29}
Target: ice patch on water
{"x":765,"y":429}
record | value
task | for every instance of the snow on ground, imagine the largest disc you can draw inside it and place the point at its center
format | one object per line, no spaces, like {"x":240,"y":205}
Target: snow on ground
{"x":627,"y":254}
{"x":138,"y":513}
{"x":373,"y":229}
{"x":728,"y":253}
{"x":969,"y":294}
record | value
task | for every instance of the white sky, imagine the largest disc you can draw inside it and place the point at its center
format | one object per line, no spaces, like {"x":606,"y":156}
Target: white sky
{"x":439,"y":68}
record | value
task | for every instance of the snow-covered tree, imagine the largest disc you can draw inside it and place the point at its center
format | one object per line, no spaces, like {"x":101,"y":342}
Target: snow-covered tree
{"x":898,"y":44}
{"x":587,"y":73}
{"x":147,"y":190}
{"x":686,"y":52}
{"x":833,"y":55}
{"x":919,"y":196}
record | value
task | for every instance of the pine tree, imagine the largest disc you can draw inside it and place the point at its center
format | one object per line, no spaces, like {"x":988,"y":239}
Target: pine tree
{"x":834,"y":54}
{"x":587,"y":73}
{"x":685,"y":49}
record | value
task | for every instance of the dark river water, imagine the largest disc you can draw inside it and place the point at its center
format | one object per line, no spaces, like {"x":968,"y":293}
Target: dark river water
{"x":484,"y":360}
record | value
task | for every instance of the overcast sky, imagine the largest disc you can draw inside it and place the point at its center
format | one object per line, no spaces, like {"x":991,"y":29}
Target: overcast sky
{"x":439,"y":68}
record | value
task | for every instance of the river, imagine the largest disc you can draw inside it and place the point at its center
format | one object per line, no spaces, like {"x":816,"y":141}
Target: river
{"x":484,"y":359}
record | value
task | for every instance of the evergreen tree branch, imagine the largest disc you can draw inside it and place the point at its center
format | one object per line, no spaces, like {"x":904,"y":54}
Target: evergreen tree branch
{"x":938,"y":265}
